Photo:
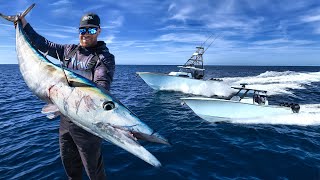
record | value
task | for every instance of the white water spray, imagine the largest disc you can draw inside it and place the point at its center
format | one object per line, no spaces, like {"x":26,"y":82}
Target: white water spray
{"x":271,"y":81}
{"x":309,"y":115}
{"x":277,"y":82}
{"x":204,"y":88}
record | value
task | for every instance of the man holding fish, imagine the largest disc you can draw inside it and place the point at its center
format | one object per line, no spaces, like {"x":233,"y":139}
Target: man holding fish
{"x":92,"y":60}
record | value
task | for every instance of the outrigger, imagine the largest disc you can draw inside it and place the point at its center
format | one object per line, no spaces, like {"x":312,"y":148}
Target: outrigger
{"x":190,"y":75}
{"x":246,"y":103}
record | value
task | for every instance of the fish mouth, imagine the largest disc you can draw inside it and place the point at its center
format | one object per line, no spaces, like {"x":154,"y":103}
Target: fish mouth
{"x":127,"y":139}
{"x":136,"y":135}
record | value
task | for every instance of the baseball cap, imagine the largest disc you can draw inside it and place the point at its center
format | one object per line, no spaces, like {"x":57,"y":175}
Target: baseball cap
{"x":90,"y":19}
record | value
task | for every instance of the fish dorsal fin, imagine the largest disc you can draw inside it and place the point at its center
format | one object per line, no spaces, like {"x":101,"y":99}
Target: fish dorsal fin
{"x":49,"y":108}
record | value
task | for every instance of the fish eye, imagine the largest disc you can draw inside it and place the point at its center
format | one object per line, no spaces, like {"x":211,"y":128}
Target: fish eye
{"x":108,"y":105}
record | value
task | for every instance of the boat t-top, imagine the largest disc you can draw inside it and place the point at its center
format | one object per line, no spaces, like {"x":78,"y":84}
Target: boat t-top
{"x":246,"y":103}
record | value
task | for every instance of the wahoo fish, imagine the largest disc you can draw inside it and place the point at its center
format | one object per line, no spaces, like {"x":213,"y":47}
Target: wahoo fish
{"x":92,"y":108}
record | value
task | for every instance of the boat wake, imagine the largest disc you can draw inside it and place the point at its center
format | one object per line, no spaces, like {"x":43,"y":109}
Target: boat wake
{"x":205,"y":88}
{"x":309,"y":115}
{"x":272,"y":81}
{"x":277,"y":82}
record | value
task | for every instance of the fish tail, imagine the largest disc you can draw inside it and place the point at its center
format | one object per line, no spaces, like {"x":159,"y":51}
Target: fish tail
{"x":15,"y":18}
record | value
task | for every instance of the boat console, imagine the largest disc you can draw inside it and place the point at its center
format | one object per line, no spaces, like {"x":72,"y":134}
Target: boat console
{"x":259,"y":97}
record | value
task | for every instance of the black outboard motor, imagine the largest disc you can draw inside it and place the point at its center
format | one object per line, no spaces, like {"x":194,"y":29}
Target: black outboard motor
{"x":295,"y":108}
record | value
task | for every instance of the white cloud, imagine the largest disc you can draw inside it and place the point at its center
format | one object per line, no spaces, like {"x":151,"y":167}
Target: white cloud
{"x":181,"y":37}
{"x":311,"y":18}
{"x":221,"y":15}
{"x":228,"y":23}
{"x":271,"y":42}
{"x":94,"y":8}
{"x":61,"y":28}
{"x":227,"y":7}
{"x":239,"y":23}
{"x":174,"y":27}
{"x":65,"y":12}
{"x":183,"y":14}
{"x":173,"y":5}
{"x":128,"y":43}
{"x":109,"y":39}
{"x":115,"y":23}
{"x":138,"y":7}
{"x":282,"y":43}
{"x":60,"y":3}
{"x":7,"y":25}
{"x":56,"y":35}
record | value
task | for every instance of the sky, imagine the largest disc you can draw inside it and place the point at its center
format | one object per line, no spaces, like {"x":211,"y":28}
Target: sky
{"x":166,"y":32}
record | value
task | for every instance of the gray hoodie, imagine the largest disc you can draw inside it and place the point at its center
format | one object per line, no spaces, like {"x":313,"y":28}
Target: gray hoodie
{"x":96,"y":60}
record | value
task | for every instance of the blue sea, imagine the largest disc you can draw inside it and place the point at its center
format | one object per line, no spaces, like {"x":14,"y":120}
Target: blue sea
{"x":285,"y":148}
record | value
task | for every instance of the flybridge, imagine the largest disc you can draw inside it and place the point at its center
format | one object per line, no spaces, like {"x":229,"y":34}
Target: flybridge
{"x":194,"y":65}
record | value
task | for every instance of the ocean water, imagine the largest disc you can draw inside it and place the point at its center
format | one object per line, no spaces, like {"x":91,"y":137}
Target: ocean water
{"x":271,"y":148}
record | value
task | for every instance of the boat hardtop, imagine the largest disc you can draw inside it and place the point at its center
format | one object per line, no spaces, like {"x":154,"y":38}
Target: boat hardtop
{"x":249,"y":95}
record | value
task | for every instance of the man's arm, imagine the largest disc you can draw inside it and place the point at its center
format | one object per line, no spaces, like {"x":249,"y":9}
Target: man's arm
{"x":42,"y":43}
{"x":103,"y":74}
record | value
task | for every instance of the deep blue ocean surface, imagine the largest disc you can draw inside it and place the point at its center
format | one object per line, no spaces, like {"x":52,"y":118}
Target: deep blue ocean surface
{"x":261,"y":149}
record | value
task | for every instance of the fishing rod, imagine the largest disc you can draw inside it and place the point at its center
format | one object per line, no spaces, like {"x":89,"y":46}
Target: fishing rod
{"x":61,"y":65}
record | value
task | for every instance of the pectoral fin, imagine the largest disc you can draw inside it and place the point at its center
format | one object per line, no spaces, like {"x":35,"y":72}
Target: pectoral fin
{"x":49,"y":108}
{"x":54,"y":115}
{"x":51,"y":111}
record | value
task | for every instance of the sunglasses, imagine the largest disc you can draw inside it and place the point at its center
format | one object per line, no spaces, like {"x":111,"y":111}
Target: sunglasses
{"x":90,"y":30}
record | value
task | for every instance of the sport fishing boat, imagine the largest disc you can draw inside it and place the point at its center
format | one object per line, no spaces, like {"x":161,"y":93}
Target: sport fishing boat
{"x":245,"y":104}
{"x":189,"y":76}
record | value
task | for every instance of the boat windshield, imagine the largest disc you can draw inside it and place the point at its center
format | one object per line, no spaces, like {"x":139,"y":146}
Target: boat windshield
{"x":258,"y":96}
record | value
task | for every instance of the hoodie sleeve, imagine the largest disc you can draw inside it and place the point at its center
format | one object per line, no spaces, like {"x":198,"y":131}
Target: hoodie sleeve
{"x":103,"y":74}
{"x":43,"y":44}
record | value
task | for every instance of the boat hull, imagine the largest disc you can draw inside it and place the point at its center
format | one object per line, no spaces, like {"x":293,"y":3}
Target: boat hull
{"x":165,"y":82}
{"x":216,"y":110}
